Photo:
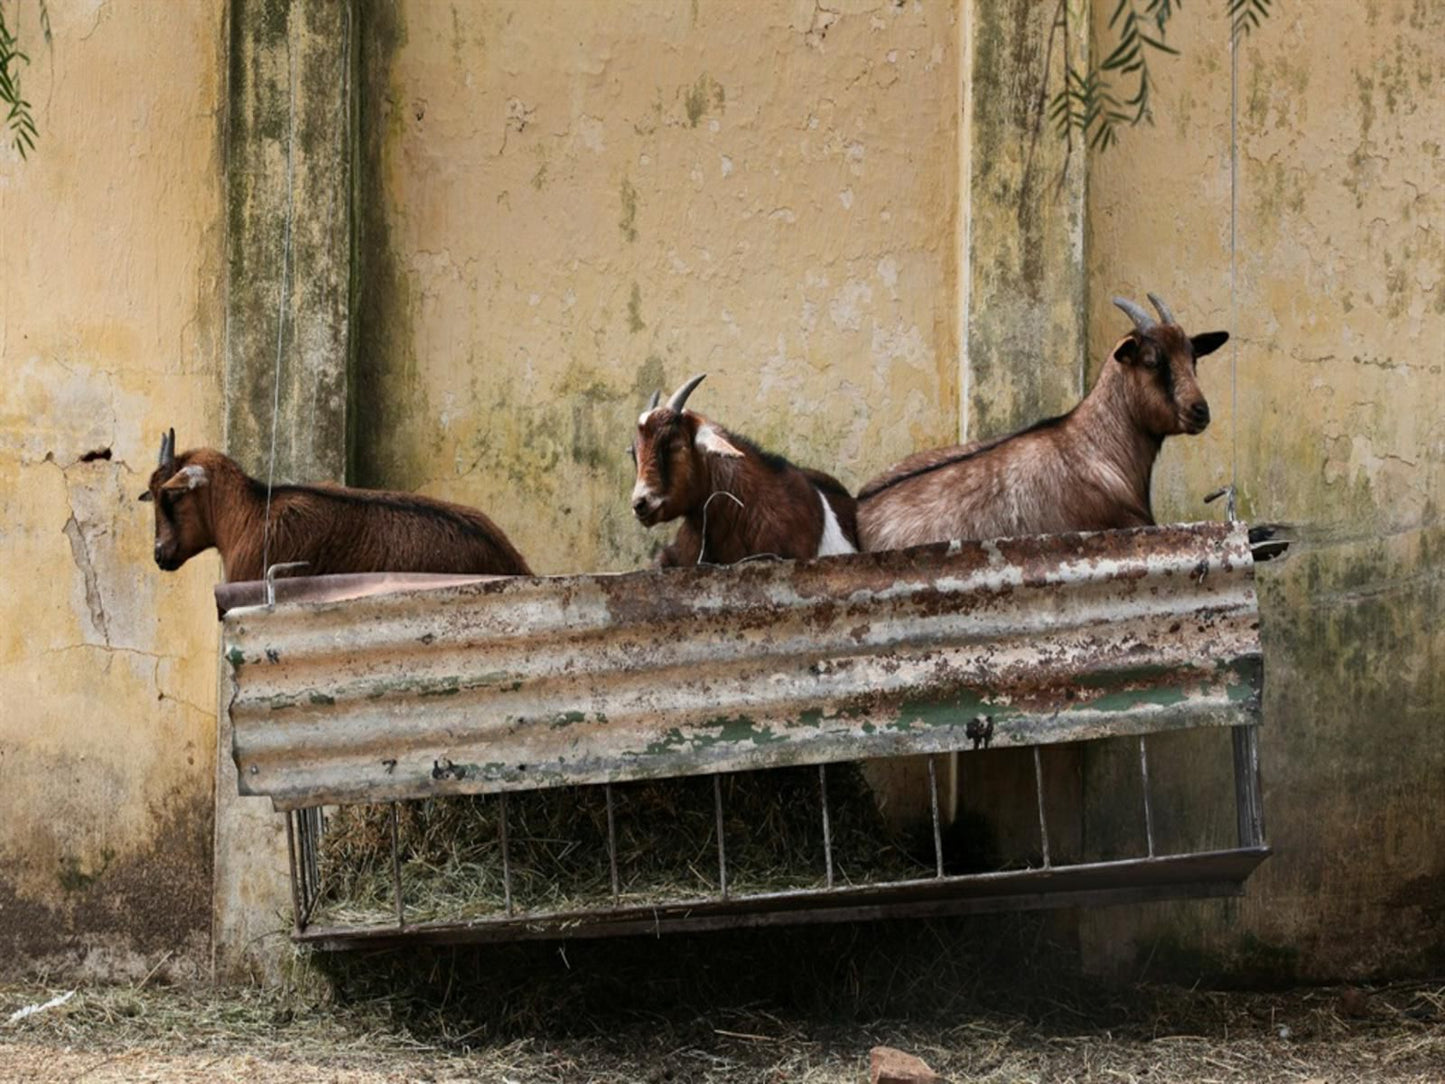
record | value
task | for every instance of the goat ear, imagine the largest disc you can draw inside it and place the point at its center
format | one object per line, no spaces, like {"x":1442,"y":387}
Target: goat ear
{"x":1127,"y":352}
{"x":711,"y":439}
{"x":1208,"y":343}
{"x":187,"y":478}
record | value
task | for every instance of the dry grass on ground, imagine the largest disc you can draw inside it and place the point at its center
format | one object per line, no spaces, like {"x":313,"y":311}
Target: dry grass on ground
{"x":711,"y":1009}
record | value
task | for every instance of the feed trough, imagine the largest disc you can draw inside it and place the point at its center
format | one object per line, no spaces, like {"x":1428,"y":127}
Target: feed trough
{"x":405,"y":692}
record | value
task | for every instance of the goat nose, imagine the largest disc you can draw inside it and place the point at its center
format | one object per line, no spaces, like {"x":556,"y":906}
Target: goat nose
{"x":639,"y":505}
{"x":1200,"y":413}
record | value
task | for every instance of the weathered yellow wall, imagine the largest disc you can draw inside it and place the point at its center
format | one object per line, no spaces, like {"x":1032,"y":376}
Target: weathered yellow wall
{"x":1339,"y":381}
{"x":110,"y":271}
{"x":574,"y":204}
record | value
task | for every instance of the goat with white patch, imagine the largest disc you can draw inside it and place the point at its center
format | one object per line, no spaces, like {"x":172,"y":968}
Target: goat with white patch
{"x":735,"y":500}
{"x":1088,"y":470}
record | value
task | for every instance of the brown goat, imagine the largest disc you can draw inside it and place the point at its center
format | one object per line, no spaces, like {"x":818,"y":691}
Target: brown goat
{"x":203,"y":499}
{"x":736,"y":500}
{"x":1087,"y":470}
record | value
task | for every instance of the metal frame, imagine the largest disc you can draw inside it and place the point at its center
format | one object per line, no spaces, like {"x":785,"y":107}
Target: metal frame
{"x":511,"y":685}
{"x":1199,"y":874}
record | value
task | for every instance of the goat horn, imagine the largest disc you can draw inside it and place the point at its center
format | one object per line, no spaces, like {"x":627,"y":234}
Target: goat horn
{"x":1164,"y":313}
{"x":679,"y":397}
{"x":656,"y":398}
{"x":168,"y":449}
{"x":1142,"y":320}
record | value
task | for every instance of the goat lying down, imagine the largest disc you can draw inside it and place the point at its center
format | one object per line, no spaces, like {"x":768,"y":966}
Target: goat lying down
{"x":203,"y":499}
{"x":735,"y":500}
{"x":1084,"y":471}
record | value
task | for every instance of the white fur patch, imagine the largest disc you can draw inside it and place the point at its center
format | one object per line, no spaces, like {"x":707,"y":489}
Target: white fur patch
{"x":710,"y":439}
{"x":642,"y":418}
{"x":833,"y":542}
{"x":194,"y":475}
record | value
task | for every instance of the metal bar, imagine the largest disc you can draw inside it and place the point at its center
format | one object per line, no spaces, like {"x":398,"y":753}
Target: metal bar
{"x":1148,"y":806}
{"x":334,"y":940}
{"x":937,"y":832}
{"x":506,"y":853}
{"x":301,"y":872}
{"x":309,"y":889}
{"x":1039,"y":790}
{"x":827,"y":826}
{"x":312,"y":853}
{"x":612,"y":848}
{"x":722,"y":858}
{"x":1119,"y":880}
{"x":396,"y":870}
{"x":295,"y":888}
{"x":1249,"y":803}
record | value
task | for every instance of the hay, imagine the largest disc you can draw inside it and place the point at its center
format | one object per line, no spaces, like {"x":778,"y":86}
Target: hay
{"x":451,"y":853}
{"x":989,"y":1032}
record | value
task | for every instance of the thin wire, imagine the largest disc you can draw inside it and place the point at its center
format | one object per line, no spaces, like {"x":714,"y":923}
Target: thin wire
{"x":702,"y":550}
{"x":282,"y":298}
{"x":1233,"y":268}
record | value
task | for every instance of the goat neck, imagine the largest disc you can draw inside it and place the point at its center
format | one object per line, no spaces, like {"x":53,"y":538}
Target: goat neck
{"x":1105,"y":432}
{"x":719,"y":514}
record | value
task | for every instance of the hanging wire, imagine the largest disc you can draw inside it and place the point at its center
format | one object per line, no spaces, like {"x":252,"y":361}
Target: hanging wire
{"x":283,"y":294}
{"x":1233,"y":268}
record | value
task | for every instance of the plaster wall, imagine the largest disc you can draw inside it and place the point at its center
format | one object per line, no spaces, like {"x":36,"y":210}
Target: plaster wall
{"x":1327,"y":407}
{"x":110,"y":329}
{"x":568,"y":206}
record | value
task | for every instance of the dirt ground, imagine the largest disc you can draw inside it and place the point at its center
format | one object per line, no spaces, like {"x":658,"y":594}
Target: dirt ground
{"x":980,"y":1003}
{"x":1334,"y":1035}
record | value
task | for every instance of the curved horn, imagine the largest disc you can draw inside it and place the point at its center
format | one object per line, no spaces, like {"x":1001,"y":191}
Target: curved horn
{"x":1164,"y":313}
{"x":1142,"y":320}
{"x":168,"y":449}
{"x":679,"y":397}
{"x":656,"y":398}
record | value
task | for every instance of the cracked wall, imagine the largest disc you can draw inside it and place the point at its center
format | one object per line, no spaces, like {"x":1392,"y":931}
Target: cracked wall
{"x":566,"y":206}
{"x":110,"y":330}
{"x":1328,"y":411}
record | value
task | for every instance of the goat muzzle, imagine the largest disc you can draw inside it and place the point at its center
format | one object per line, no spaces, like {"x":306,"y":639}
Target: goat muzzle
{"x":1196,"y":418}
{"x":645,"y":509}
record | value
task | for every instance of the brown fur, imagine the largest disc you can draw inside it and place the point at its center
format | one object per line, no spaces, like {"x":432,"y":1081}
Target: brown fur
{"x":332,"y":528}
{"x":780,"y":514}
{"x":1087,"y":470}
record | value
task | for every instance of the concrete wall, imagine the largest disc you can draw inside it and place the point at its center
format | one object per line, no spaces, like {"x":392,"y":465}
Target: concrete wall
{"x":569,"y":205}
{"x":1328,"y":413}
{"x":110,"y":329}
{"x":838,"y":212}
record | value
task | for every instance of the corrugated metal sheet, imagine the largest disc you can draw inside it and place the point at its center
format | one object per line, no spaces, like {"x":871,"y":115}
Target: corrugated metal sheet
{"x":524,"y":683}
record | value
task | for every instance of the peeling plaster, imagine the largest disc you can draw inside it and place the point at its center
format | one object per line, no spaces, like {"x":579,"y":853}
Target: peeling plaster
{"x":1327,"y":414}
{"x":106,"y":726}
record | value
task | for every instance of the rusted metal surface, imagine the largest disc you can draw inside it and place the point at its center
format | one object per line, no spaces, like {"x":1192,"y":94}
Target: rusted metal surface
{"x":337,"y":588}
{"x":1214,"y":873}
{"x":514,"y":684}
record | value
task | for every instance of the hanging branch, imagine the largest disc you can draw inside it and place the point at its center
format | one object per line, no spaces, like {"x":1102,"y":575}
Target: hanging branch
{"x":1100,"y":99}
{"x":18,"y":118}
